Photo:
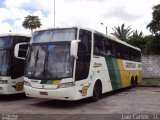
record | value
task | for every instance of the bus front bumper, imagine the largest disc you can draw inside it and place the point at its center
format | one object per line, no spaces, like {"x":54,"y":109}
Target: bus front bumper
{"x":59,"y":94}
{"x":4,"y":89}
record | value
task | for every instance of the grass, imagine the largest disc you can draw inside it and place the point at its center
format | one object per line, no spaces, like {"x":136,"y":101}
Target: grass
{"x":151,"y":81}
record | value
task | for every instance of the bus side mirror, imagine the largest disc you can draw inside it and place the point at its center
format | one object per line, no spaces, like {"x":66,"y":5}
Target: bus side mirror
{"x":20,"y":50}
{"x":74,"y":48}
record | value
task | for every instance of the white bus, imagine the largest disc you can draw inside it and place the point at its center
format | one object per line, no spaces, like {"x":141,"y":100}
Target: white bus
{"x":76,"y":63}
{"x":11,"y":68}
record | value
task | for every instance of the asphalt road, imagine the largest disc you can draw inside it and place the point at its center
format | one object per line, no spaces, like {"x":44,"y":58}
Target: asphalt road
{"x":140,"y":100}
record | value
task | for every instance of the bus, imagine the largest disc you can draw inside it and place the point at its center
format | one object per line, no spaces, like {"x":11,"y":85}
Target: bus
{"x":75,"y":63}
{"x":12,"y":68}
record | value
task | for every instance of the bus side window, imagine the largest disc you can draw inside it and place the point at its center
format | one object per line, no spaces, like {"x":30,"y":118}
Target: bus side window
{"x":22,"y":50}
{"x":84,"y":55}
{"x":118,"y":51}
{"x":108,"y":48}
{"x":99,"y":45}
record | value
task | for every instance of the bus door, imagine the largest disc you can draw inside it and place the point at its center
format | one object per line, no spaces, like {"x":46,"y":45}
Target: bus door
{"x":83,"y":62}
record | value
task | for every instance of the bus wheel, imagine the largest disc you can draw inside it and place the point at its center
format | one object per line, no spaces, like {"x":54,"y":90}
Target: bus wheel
{"x":132,"y":84}
{"x":136,"y":82}
{"x":97,"y":91}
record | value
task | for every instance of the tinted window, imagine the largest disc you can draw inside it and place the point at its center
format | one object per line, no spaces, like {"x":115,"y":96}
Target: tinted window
{"x":99,"y":45}
{"x":108,"y":48}
{"x":84,"y":55}
{"x":5,"y":42}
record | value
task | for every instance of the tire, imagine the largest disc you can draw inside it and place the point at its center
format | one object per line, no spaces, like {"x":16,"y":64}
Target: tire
{"x":97,"y":91}
{"x":136,"y":82}
{"x":132,"y":84}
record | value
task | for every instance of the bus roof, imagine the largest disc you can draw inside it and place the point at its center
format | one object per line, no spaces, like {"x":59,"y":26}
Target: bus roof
{"x":14,"y":34}
{"x":114,"y":38}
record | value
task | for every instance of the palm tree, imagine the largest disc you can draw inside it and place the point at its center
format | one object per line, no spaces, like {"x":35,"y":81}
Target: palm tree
{"x":137,"y":34}
{"x":122,"y":33}
{"x":31,"y":22}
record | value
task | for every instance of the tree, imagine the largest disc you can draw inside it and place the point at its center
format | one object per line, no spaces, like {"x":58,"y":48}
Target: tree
{"x":153,"y":45}
{"x":31,"y":22}
{"x":137,"y":40}
{"x":154,"y":25}
{"x":137,"y":34}
{"x":122,"y":33}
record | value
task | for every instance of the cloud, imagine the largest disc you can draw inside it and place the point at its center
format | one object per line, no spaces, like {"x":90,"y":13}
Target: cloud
{"x":121,"y":14}
{"x":87,"y":13}
{"x":5,"y":27}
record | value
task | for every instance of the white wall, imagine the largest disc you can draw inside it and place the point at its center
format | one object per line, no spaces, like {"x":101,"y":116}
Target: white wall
{"x":151,"y":66}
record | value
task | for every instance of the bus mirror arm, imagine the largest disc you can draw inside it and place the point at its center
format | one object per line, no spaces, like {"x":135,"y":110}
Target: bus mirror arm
{"x":74,"y":48}
{"x":17,"y":50}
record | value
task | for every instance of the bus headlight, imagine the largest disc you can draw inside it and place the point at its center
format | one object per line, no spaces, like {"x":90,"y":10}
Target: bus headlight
{"x":27,"y":83}
{"x":3,"y":82}
{"x":65,"y":85}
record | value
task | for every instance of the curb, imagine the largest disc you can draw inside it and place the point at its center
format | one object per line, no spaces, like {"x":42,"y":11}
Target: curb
{"x":148,"y":85}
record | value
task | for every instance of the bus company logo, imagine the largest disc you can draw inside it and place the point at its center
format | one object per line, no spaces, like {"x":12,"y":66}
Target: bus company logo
{"x":130,"y":65}
{"x":34,"y":81}
{"x":84,"y":90}
{"x":97,"y":64}
{"x":19,"y":86}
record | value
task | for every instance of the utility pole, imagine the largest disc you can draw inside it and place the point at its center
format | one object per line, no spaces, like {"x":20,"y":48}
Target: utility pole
{"x":105,"y":27}
{"x":54,"y":13}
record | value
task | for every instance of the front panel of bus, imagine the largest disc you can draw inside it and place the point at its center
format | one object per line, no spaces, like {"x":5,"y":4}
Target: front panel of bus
{"x":50,"y":71}
{"x":11,"y":69}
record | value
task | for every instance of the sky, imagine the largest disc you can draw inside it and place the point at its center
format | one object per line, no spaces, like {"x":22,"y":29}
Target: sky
{"x":86,"y":13}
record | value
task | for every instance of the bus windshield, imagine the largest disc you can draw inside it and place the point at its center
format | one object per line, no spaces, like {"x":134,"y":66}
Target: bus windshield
{"x":4,"y":62}
{"x":52,"y":61}
{"x":5,"y":42}
{"x":54,"y":35}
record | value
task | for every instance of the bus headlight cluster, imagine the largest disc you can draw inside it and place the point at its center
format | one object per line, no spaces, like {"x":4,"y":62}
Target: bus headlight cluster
{"x":27,"y":83}
{"x":3,"y":82}
{"x":65,"y":85}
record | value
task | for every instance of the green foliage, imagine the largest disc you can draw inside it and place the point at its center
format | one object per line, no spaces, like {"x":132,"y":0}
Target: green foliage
{"x":153,"y":45}
{"x":154,"y":25}
{"x":31,"y":22}
{"x":138,"y":40}
{"x":148,"y":44}
{"x":122,"y":33}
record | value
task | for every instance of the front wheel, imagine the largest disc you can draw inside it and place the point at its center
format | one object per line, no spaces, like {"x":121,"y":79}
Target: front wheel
{"x":97,"y":91}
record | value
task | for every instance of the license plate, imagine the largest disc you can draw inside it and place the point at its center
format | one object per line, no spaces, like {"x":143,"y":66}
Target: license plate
{"x":43,"y":93}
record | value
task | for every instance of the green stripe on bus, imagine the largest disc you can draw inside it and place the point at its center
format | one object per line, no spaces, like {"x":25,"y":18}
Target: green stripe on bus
{"x":114,"y":73}
{"x":111,"y":73}
{"x":117,"y":73}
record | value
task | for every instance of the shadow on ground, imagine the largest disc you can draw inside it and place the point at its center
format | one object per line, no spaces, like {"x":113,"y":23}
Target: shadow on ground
{"x":13,"y":97}
{"x":61,"y":104}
